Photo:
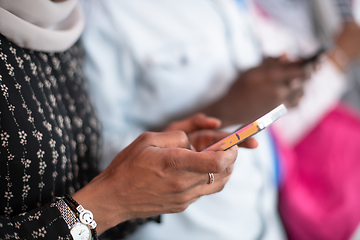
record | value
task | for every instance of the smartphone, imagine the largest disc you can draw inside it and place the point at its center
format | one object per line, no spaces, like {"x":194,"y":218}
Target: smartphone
{"x":249,"y":130}
{"x":313,"y":58}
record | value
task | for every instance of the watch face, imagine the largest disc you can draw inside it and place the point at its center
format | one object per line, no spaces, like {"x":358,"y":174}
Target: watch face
{"x":80,"y":232}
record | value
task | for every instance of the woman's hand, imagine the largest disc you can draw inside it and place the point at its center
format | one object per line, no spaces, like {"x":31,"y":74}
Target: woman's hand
{"x":156,"y":174}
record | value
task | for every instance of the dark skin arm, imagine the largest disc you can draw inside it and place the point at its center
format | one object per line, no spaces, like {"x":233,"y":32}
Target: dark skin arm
{"x":259,"y":90}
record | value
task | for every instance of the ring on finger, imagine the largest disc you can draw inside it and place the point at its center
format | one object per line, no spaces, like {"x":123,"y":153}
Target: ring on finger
{"x":211,"y":178}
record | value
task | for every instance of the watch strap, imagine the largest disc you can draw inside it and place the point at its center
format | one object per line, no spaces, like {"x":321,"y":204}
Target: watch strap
{"x":67,"y":214}
{"x":84,"y":216}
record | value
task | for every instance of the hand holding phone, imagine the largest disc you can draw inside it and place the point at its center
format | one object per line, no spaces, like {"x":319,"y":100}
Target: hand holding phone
{"x":249,"y":130}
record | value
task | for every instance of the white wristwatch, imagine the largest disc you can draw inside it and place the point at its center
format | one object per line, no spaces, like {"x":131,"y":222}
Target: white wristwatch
{"x":78,"y":230}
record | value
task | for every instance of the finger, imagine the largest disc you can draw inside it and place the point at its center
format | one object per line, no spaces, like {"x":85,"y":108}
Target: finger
{"x":283,"y":58}
{"x":198,"y":162}
{"x":249,"y":143}
{"x":207,"y":189}
{"x":269,"y":62}
{"x":285,"y":70}
{"x":294,"y":99}
{"x":295,"y":84}
{"x":309,"y":70}
{"x":273,"y":61}
{"x":201,"y":121}
{"x":280,"y":75}
{"x":316,"y":66}
{"x":204,"y":138}
{"x":294,"y":72}
{"x":174,"y":139}
{"x":191,"y":180}
{"x":194,"y":123}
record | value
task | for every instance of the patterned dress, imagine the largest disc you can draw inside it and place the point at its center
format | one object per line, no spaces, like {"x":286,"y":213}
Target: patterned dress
{"x":49,"y":139}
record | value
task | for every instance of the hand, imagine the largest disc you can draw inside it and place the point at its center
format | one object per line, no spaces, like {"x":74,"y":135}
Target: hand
{"x":348,"y":40}
{"x":259,"y":90}
{"x":200,"y":130}
{"x":156,"y":174}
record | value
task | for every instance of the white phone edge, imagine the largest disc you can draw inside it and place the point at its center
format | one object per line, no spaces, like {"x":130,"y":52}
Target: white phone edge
{"x":271,"y":116}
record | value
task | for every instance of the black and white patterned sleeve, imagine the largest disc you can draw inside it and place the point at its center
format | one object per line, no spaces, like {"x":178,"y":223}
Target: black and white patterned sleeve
{"x":49,"y":140}
{"x":44,"y":222}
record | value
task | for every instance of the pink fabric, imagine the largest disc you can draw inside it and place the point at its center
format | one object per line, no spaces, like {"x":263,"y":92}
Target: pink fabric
{"x":320,"y":195}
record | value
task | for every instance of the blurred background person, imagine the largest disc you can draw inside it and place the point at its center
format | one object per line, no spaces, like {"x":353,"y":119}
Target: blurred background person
{"x":318,"y":197}
{"x":152,"y":61}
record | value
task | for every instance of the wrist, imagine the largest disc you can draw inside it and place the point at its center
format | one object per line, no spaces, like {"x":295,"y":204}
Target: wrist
{"x":339,"y":58}
{"x":96,"y":197}
{"x":82,"y":227}
{"x":89,"y":201}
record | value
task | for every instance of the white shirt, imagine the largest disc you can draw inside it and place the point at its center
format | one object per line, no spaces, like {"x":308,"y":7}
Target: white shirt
{"x":149,"y":61}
